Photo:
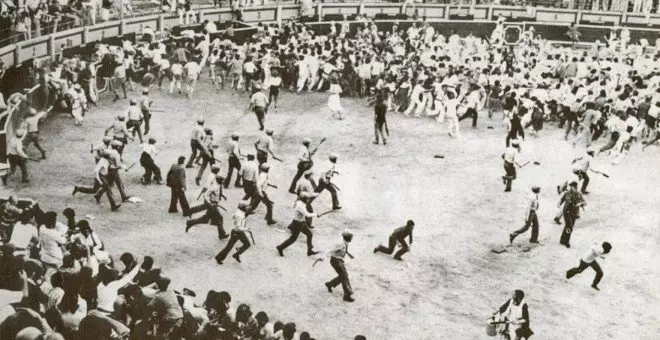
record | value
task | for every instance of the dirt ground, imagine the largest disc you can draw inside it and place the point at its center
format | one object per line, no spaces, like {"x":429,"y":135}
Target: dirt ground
{"x":450,"y":282}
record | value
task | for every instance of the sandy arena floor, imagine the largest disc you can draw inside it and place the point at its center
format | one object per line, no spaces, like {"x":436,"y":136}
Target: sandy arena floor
{"x":450,"y":282}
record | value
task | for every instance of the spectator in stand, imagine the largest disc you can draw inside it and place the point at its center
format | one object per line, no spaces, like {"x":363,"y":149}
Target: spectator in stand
{"x":23,"y":27}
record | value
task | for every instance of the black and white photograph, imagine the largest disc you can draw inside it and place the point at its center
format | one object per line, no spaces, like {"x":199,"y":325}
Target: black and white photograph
{"x":329,"y":169}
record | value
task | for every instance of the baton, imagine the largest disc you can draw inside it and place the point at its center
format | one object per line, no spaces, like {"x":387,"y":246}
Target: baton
{"x":387,"y":130}
{"x":327,"y":212}
{"x":156,"y":110}
{"x":200,"y":195}
{"x":277,"y":159}
{"x":221,"y":207}
{"x":525,"y":164}
{"x":272,"y":185}
{"x":252,"y":237}
{"x":334,"y":186}
{"x":129,"y":168}
{"x":34,"y":159}
{"x":315,"y":262}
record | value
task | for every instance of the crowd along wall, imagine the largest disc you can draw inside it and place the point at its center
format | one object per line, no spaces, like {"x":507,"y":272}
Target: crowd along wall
{"x":478,"y":20}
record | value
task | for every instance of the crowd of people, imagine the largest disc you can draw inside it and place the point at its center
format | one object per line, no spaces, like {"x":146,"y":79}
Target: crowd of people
{"x":58,"y":281}
{"x":612,"y":90}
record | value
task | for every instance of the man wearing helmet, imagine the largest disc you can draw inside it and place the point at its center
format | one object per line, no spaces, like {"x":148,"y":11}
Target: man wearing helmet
{"x":337,"y":255}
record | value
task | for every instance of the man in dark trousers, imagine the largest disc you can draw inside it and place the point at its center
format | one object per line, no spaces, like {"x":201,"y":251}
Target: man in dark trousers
{"x":101,"y":181}
{"x":147,"y":162}
{"x":326,"y":184}
{"x":510,"y":156}
{"x":248,"y":173}
{"x":398,"y":235}
{"x":380,"y":110}
{"x":337,"y":255}
{"x":572,"y":201}
{"x":531,"y":220}
{"x":176,"y":180}
{"x":209,"y":182}
{"x":16,"y":157}
{"x":516,"y":314}
{"x":233,"y":162}
{"x":264,"y":146}
{"x":196,"y":140}
{"x":239,"y":233}
{"x":299,"y":225}
{"x":515,"y":127}
{"x":263,"y":182}
{"x":589,"y":260}
{"x":304,"y":164}
{"x":213,"y":215}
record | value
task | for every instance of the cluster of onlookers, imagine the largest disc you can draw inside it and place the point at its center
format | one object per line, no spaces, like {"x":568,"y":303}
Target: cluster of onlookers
{"x":59,"y":281}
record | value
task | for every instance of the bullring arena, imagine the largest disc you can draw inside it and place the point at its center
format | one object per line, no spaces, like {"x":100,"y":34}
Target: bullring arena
{"x":461,"y":266}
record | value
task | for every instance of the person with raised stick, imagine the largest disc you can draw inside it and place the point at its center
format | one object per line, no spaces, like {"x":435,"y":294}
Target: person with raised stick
{"x":398,"y":236}
{"x":337,"y":255}
{"x":208,"y":183}
{"x":299,"y":225}
{"x":239,"y":233}
{"x":212,"y":197}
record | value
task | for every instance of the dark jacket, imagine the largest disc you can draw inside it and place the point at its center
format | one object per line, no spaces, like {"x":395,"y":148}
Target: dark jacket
{"x":176,"y":177}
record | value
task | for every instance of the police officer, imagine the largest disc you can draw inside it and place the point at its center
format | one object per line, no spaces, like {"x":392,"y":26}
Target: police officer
{"x":196,"y":140}
{"x":98,"y":150}
{"x":145,"y":107}
{"x":238,"y":233}
{"x":16,"y":157}
{"x":398,"y":236}
{"x":113,"y":172}
{"x":233,"y":161}
{"x":530,"y":217}
{"x":206,"y":154}
{"x":249,"y":172}
{"x":304,"y":164}
{"x":337,"y":262}
{"x":213,"y":215}
{"x":262,"y":193}
{"x":264,"y":146}
{"x":326,"y":184}
{"x":306,"y":187}
{"x":134,"y":119}
{"x":119,"y":132}
{"x":298,"y":225}
{"x":101,"y":181}
{"x":209,"y":182}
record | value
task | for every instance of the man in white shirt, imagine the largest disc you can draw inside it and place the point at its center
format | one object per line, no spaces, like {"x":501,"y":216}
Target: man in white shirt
{"x":106,"y":290}
{"x":147,"y":162}
{"x":326,"y":184}
{"x":262,"y":193}
{"x":192,"y":72}
{"x":239,"y":233}
{"x":510,"y":156}
{"x":531,"y":218}
{"x":299,"y":224}
{"x":24,"y":236}
{"x":589,"y":260}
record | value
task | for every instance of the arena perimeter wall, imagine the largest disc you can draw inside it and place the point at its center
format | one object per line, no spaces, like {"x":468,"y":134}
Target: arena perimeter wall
{"x":479,"y":20}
